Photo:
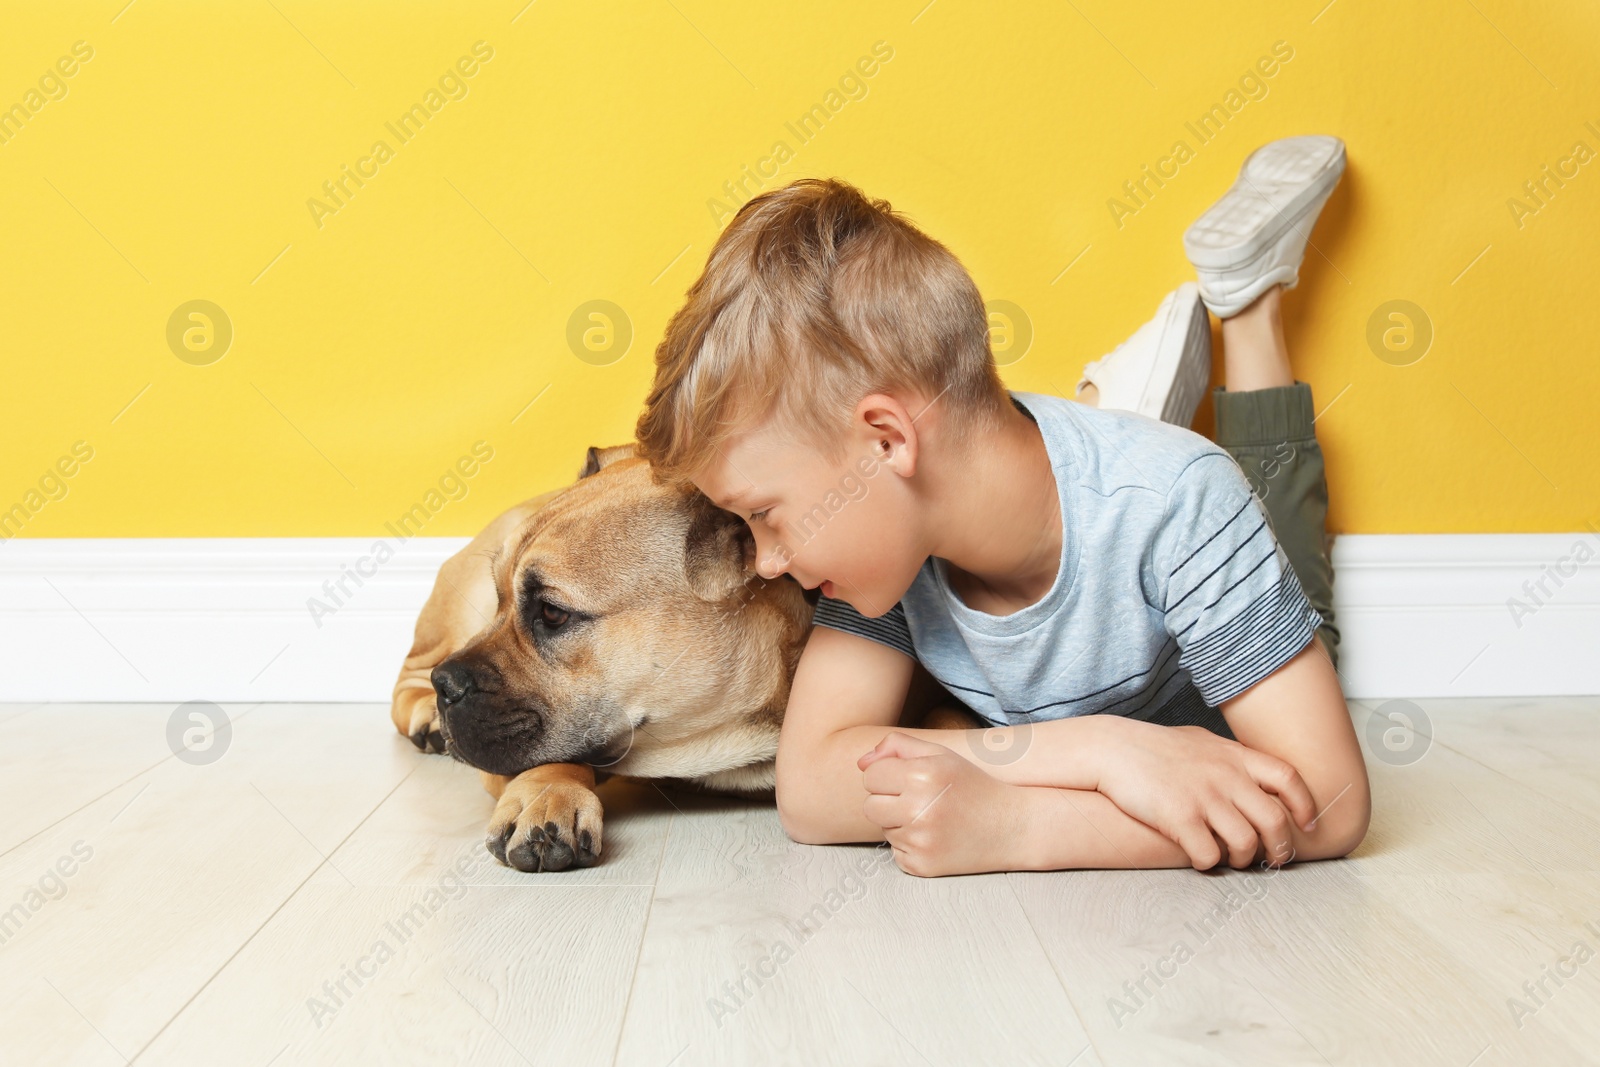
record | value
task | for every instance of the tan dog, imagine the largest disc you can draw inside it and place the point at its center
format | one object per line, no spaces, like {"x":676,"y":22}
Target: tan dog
{"x":613,"y":624}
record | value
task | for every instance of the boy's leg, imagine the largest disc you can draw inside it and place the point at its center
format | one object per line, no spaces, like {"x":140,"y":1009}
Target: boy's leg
{"x":1246,"y":248}
{"x":1264,"y":420}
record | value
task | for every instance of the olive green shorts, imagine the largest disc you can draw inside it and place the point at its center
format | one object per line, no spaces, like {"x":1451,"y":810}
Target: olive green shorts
{"x":1270,"y":435}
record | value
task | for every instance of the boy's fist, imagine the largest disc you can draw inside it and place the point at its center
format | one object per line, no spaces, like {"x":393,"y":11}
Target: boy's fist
{"x":940,"y":813}
{"x":1217,"y":799}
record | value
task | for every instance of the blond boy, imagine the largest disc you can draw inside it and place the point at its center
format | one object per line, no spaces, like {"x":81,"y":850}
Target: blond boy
{"x":1104,"y":588}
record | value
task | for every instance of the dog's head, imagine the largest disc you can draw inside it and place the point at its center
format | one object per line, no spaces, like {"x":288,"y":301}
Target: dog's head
{"x":631,"y":630}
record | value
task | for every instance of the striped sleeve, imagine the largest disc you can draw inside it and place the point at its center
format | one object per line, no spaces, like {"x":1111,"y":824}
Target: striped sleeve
{"x":1231,"y":598}
{"x":887,"y":629}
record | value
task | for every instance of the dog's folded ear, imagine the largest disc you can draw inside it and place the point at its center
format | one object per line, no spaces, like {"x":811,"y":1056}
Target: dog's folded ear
{"x":601,"y":457}
{"x":718,"y":551}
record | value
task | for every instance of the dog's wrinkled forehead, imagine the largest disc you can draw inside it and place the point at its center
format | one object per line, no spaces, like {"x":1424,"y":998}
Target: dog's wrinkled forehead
{"x":611,"y":538}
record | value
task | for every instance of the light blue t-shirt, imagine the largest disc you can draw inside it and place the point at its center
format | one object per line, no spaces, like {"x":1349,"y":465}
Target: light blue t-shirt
{"x":1171,"y":595}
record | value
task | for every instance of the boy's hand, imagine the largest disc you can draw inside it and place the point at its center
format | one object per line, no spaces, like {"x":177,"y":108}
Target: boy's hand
{"x":1198,"y":788}
{"x":940,"y":813}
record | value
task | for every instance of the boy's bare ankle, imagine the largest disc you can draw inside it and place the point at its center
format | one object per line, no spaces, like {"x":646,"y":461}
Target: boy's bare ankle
{"x":1267,"y":307}
{"x":1255,"y":355}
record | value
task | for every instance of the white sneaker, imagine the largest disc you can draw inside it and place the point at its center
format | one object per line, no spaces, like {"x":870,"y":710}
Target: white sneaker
{"x":1162,"y":370}
{"x":1255,"y":236}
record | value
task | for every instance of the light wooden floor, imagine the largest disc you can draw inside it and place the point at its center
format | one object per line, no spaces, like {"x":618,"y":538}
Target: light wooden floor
{"x":293,"y":903}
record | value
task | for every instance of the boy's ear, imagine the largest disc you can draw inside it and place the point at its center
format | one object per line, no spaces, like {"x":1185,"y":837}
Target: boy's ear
{"x":719,"y":551}
{"x":888,"y":432}
{"x":603,"y":457}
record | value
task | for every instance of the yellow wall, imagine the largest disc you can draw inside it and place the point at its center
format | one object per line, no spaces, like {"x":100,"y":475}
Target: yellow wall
{"x":374,"y":346}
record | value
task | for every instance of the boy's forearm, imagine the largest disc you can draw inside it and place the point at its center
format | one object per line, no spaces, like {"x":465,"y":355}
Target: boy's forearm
{"x":1062,"y":828}
{"x":1066,"y":753}
{"x":820,"y":793}
{"x":1072,"y":829}
{"x":1063,"y":752}
{"x":1298,"y":714}
{"x":1060,"y":764}
{"x":1071,"y":755}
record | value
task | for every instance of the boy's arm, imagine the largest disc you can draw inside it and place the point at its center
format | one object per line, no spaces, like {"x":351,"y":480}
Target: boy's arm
{"x":846,"y":698}
{"x":1298,"y":714}
{"x":1190,"y":785}
{"x":944,"y":816}
{"x":842,"y":682}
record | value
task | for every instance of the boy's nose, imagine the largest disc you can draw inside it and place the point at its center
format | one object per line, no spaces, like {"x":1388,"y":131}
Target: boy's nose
{"x":772,"y":564}
{"x":772,"y":559}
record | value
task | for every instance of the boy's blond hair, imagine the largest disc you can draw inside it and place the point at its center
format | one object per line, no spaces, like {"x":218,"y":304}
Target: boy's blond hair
{"x":813,"y":297}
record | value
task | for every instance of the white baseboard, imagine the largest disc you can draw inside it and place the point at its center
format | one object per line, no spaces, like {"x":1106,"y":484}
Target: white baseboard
{"x":219,"y":619}
{"x":1424,"y":615}
{"x":1436,"y":615}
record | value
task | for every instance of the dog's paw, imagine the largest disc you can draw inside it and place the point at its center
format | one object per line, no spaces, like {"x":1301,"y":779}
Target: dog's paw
{"x":423,"y":729}
{"x":545,"y":826}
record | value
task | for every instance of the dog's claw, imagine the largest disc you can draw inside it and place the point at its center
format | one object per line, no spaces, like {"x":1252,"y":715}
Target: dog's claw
{"x":428,"y":739}
{"x":496,"y":842}
{"x":587,"y":856}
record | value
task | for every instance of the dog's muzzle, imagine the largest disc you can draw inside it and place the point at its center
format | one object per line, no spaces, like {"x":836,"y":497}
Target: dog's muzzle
{"x":482,"y":727}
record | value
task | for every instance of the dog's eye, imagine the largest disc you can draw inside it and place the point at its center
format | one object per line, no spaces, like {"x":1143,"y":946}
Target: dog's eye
{"x":553,"y":616}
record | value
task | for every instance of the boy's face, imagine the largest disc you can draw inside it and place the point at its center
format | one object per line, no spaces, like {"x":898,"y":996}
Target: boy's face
{"x":848,"y":527}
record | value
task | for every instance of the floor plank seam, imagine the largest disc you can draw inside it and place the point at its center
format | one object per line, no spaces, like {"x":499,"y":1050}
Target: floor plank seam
{"x":644,"y":930}
{"x":265,"y":922}
{"x":20,"y":714}
{"x":1060,"y":981}
{"x":1514,"y":781}
{"x":90,"y":803}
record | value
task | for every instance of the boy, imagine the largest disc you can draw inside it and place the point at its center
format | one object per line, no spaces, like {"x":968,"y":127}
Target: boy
{"x":1102,"y":587}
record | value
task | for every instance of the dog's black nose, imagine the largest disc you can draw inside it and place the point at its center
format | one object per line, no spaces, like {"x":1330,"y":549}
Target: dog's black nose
{"x":451,"y":681}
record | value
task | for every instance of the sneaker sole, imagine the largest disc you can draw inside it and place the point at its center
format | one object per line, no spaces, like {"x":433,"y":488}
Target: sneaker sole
{"x":1315,"y":164}
{"x":1190,"y":383}
{"x":1189,"y":331}
{"x":1227,"y":285}
{"x":1181,"y":331}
